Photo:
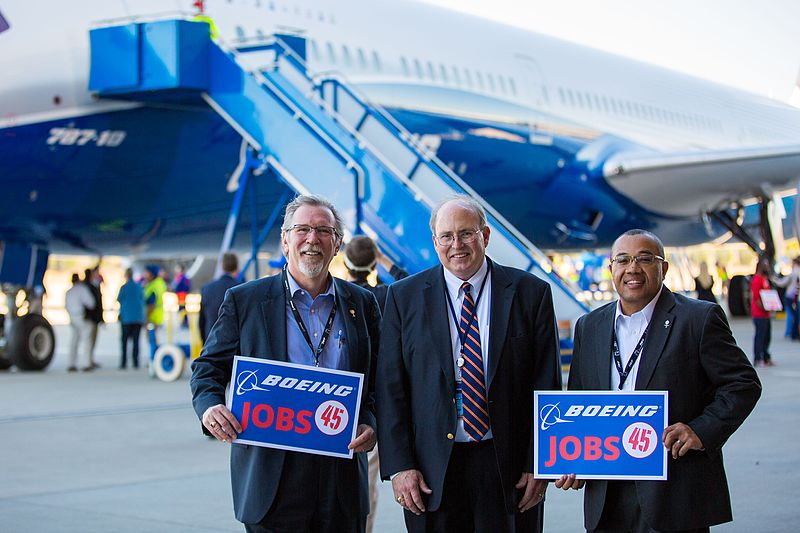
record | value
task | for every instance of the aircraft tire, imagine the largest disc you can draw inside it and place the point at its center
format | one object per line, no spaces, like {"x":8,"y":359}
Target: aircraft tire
{"x":31,"y":342}
{"x":5,"y":361}
{"x":739,"y":296}
{"x":168,"y":362}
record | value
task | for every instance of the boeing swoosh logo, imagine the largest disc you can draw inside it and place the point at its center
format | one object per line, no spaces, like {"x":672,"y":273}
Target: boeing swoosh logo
{"x":550,"y":415}
{"x":247,"y":381}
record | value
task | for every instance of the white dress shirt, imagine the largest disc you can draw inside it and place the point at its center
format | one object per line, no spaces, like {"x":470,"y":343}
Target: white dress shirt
{"x":628,"y":330}
{"x":453,"y":284}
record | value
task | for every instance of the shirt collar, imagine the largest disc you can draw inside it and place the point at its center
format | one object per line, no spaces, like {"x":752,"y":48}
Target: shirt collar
{"x":454,"y":283}
{"x":646,"y":313}
{"x":294,"y":287}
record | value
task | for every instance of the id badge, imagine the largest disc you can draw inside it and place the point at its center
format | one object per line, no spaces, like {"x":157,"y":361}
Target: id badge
{"x":459,"y":400}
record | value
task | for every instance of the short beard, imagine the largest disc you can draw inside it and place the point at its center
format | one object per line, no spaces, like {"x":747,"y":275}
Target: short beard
{"x":310,"y":270}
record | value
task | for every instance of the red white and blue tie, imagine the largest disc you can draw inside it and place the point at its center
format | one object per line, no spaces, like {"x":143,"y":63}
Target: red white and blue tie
{"x":476,"y":414}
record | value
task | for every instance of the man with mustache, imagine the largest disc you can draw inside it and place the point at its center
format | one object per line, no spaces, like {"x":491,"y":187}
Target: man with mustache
{"x":652,"y":339}
{"x":463,"y":347}
{"x":302,"y":315}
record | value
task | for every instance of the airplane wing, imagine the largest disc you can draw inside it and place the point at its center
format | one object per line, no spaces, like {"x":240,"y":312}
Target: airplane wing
{"x":686,"y":184}
{"x":3,"y":24}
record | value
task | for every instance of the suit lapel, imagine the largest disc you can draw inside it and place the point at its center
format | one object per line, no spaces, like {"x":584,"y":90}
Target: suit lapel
{"x":434,"y":303}
{"x":273,"y":312}
{"x":349,"y":314}
{"x":657,"y":334}
{"x":602,"y":348}
{"x":499,"y":313}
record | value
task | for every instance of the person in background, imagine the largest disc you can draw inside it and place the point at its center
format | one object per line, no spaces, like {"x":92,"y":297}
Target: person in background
{"x":154,"y":290}
{"x":94,"y":316}
{"x":212,"y":293}
{"x":131,"y":318}
{"x":722,"y":274}
{"x":791,"y":282}
{"x":361,"y":255}
{"x":78,"y":300}
{"x":761,"y":317}
{"x":703,"y":284}
{"x":181,"y":285}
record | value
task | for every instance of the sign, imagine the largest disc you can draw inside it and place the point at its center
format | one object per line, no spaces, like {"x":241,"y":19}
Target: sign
{"x":295,"y":407}
{"x":600,"y":434}
{"x":770,"y":300}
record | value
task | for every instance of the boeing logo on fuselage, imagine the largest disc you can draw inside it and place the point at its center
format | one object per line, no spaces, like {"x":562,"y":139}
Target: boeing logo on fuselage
{"x":550,"y":414}
{"x":247,"y":381}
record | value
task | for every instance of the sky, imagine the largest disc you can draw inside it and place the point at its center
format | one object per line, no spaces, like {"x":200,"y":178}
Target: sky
{"x":748,"y":44}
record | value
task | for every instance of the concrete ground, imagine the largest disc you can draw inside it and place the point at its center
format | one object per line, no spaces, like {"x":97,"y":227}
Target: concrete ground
{"x":115,"y":450}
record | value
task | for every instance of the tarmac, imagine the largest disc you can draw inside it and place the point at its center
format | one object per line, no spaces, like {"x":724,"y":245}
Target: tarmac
{"x":115,"y":450}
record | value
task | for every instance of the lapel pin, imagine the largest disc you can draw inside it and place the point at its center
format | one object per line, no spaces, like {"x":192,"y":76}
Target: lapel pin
{"x":353,"y":313}
{"x":666,"y":323}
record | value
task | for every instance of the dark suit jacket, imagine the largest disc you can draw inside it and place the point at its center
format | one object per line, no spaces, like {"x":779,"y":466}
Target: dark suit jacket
{"x":252,"y":322}
{"x":712,"y":388}
{"x":211,"y":296}
{"x":416,"y":379}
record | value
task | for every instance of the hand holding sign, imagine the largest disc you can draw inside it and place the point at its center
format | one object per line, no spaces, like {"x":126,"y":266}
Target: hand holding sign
{"x":221,"y":423}
{"x":679,"y":439}
{"x":365,"y":439}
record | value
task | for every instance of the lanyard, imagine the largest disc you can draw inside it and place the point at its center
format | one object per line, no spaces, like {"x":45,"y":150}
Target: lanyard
{"x":463,"y":337}
{"x":328,"y":325}
{"x":623,"y":375}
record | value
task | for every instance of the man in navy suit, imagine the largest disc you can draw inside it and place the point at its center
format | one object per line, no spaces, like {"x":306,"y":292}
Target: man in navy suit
{"x":212,"y":293}
{"x":463,"y":347}
{"x":303,"y":316}
{"x":652,"y":339}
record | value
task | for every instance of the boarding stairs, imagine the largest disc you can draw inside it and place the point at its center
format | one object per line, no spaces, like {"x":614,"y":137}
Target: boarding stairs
{"x":319,"y":135}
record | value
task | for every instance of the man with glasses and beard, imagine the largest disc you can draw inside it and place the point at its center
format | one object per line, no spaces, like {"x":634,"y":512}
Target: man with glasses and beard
{"x":302,"y":315}
{"x":652,"y":339}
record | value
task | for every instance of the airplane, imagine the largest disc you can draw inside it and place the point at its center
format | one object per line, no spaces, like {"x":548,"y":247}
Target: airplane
{"x":570,"y":144}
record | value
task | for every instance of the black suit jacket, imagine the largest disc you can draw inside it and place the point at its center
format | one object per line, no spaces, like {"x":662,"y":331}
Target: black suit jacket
{"x":211,"y":296}
{"x":252,"y":322}
{"x":712,"y":386}
{"x":416,"y":379}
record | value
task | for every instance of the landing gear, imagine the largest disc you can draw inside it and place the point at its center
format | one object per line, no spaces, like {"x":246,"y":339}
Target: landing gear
{"x":5,"y":360}
{"x":31,"y":342}
{"x":732,"y":219}
{"x":27,"y":341}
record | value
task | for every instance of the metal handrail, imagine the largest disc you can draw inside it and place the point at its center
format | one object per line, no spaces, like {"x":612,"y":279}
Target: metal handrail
{"x":420,"y":150}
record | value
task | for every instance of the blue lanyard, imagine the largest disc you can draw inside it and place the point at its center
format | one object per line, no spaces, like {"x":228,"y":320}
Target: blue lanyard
{"x":623,"y":374}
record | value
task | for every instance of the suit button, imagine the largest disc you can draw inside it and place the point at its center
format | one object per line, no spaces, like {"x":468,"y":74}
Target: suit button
{"x":450,"y":436}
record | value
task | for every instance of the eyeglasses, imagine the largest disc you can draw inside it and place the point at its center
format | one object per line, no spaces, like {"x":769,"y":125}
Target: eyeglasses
{"x":302,"y":230}
{"x":466,"y":236}
{"x":643,"y":259}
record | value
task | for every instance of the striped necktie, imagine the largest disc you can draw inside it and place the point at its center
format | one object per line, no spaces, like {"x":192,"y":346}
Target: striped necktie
{"x":476,"y":414}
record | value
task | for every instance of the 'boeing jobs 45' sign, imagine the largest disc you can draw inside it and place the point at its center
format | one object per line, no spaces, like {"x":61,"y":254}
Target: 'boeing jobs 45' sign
{"x":295,"y":407}
{"x":600,"y":434}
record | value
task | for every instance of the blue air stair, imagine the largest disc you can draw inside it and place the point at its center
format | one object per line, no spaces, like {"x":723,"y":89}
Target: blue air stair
{"x":319,"y":135}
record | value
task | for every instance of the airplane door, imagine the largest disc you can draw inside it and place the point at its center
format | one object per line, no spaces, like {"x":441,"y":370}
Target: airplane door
{"x":534,"y":87}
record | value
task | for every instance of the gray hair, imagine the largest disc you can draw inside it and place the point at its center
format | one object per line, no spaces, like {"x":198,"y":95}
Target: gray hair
{"x":467,"y":202}
{"x":312,"y":200}
{"x":643,"y":232}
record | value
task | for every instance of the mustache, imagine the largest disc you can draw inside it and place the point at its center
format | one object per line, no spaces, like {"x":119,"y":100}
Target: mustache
{"x":311,"y":248}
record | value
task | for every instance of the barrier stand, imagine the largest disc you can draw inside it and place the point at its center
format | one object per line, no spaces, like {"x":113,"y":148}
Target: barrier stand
{"x":168,"y":359}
